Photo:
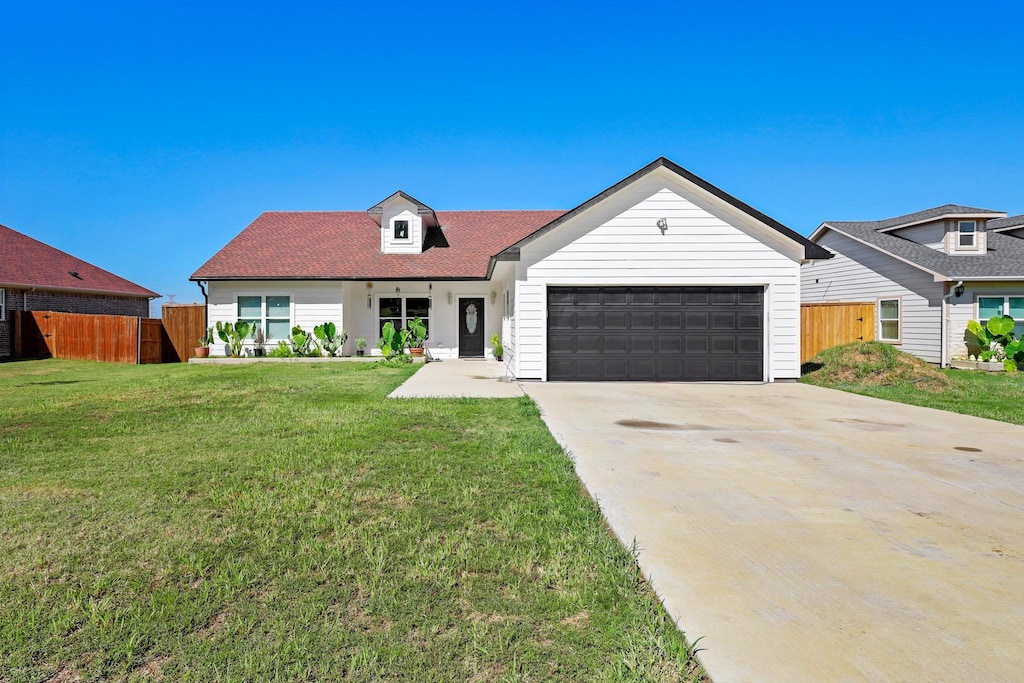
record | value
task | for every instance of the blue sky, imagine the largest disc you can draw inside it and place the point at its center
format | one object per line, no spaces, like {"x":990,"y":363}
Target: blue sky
{"x":144,"y":136}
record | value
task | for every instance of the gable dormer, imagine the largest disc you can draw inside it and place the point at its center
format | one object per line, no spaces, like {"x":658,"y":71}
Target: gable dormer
{"x":404,"y":223}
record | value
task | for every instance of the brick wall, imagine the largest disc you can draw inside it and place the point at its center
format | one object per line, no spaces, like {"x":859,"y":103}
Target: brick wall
{"x":64,"y":302}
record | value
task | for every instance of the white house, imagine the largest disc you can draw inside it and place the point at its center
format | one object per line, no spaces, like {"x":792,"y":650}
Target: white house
{"x":928,"y":273}
{"x":661,"y":277}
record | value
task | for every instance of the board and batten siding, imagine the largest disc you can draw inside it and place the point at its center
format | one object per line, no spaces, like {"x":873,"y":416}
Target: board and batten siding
{"x":617,"y":242}
{"x":860,"y":273}
{"x":312,"y":303}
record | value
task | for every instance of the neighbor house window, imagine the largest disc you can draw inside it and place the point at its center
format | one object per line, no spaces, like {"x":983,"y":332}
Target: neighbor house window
{"x":400,"y":310}
{"x":966,"y":233}
{"x":272,"y":314}
{"x":401,"y":230}
{"x":889,"y":319}
{"x":995,"y":306}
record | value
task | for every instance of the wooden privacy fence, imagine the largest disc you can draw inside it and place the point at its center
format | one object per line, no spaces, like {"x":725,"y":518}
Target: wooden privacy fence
{"x":823,"y":326}
{"x":80,"y":336}
{"x":183,"y":325}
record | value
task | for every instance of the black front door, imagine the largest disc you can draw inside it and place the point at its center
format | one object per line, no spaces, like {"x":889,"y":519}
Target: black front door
{"x":471,"y":328}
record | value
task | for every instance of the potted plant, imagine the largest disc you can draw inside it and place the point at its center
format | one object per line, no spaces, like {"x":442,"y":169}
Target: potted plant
{"x":415,"y":334}
{"x":499,"y":350}
{"x":361,"y":346}
{"x":259,"y":341}
{"x":203,"y":350}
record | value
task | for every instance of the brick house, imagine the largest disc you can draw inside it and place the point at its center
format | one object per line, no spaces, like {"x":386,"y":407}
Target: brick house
{"x":36,"y":277}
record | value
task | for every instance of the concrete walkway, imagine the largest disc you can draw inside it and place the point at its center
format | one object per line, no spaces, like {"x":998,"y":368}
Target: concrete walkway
{"x":459,"y":378}
{"x":808,"y":534}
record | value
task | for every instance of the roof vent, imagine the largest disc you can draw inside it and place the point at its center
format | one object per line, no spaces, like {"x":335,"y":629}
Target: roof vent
{"x":74,"y":274}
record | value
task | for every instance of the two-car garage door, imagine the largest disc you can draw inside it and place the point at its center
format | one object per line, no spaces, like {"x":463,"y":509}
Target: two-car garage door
{"x":655,"y":333}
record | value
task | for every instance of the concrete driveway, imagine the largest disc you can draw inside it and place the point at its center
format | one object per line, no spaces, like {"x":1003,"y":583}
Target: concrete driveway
{"x":809,"y":534}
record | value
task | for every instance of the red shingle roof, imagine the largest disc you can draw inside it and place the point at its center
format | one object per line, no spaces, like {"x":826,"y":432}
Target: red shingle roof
{"x":25,"y":262}
{"x":346,"y":245}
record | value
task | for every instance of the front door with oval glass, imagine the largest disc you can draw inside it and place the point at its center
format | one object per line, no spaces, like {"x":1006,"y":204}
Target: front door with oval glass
{"x":471,"y":328}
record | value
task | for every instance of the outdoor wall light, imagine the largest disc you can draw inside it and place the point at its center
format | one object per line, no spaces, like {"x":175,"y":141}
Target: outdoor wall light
{"x":369,"y":295}
{"x":398,"y":291}
{"x":430,"y":295}
{"x":494,"y":297}
{"x":662,"y":225}
{"x":959,"y":291}
{"x":449,"y":298}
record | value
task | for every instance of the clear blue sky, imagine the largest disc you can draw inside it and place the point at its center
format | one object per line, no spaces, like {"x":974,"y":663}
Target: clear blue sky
{"x":143,"y":136}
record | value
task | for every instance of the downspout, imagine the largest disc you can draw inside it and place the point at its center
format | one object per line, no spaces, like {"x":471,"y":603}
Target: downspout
{"x":206,"y":306}
{"x":944,"y":323}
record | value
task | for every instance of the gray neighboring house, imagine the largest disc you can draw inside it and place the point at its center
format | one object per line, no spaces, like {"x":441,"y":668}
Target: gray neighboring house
{"x":928,"y":273}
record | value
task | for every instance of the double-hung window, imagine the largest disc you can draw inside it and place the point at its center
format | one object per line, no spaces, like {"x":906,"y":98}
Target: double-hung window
{"x":889,"y":319}
{"x":966,"y":234}
{"x":272,"y":314}
{"x":400,"y":310}
{"x":995,"y":306}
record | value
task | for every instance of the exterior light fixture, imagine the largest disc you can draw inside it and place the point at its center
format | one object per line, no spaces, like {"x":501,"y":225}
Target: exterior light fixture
{"x":494,"y":297}
{"x":959,"y":290}
{"x":398,"y":290}
{"x":449,"y":298}
{"x":369,"y":295}
{"x":662,"y":225}
{"x":430,"y":295}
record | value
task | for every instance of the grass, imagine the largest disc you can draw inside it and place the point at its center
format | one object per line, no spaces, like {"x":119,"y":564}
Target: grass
{"x":883,"y":371}
{"x":287,"y":522}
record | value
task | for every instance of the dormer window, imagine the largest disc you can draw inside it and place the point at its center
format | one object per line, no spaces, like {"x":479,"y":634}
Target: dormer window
{"x":401,"y":230}
{"x":966,"y":234}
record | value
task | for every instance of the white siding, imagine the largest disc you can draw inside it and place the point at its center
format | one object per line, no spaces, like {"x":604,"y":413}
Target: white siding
{"x":401,"y":210}
{"x":617,"y":242}
{"x":312,"y":303}
{"x":965,"y":308}
{"x":860,"y":273}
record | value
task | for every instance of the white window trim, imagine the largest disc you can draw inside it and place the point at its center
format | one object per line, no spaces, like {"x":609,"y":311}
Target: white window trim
{"x":899,"y":319}
{"x":994,"y":295}
{"x":263,"y":310}
{"x":975,"y":240}
{"x":408,"y":229}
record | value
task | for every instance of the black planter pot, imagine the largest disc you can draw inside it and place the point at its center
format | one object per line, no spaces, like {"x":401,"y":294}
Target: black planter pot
{"x":360,"y":352}
{"x":259,"y":353}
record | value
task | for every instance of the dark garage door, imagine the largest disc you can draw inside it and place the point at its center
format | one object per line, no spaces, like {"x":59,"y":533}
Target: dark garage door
{"x":655,"y":333}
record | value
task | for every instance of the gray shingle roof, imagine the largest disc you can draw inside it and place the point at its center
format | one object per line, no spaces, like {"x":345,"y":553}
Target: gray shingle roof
{"x":1005,"y":257}
{"x":1007,"y":223}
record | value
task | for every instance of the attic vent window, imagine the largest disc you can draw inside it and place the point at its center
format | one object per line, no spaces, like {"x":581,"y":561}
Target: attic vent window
{"x":401,"y":230}
{"x":74,"y":274}
{"x":966,"y":231}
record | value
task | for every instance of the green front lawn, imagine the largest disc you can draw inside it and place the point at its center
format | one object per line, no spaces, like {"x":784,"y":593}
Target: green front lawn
{"x":881,"y":370}
{"x":286,"y":522}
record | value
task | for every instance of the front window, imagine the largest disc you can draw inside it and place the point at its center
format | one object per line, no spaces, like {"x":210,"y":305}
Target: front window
{"x":889,"y":320}
{"x":401,"y":230}
{"x":272,"y":314}
{"x":966,"y":233}
{"x":995,"y":306}
{"x":400,"y":310}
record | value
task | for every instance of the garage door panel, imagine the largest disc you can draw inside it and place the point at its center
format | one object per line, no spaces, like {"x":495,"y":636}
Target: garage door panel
{"x":641,"y":321}
{"x":642,"y":344}
{"x":616,"y":320}
{"x":655,"y":333}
